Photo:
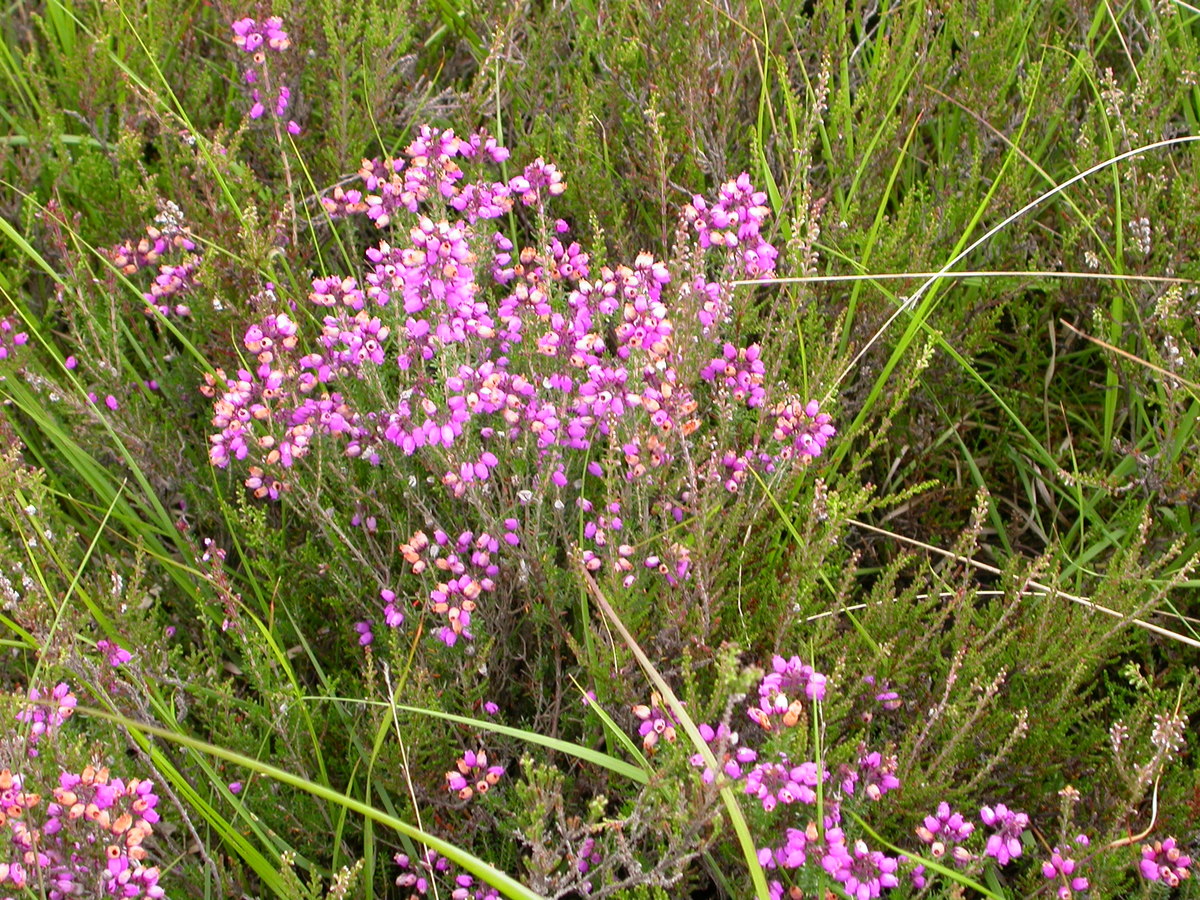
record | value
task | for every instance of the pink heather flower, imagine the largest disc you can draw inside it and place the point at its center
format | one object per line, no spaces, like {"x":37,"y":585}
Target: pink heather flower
{"x":472,"y":775}
{"x":792,"y":854}
{"x":772,"y":783}
{"x":540,"y":181}
{"x":884,"y":696}
{"x":877,"y":773}
{"x":249,"y":36}
{"x":365,"y":637}
{"x":391,"y":612}
{"x":889,"y":700}
{"x":783,"y":691}
{"x":588,"y":856}
{"x":733,"y":223}
{"x":916,"y":875}
{"x":117,"y":655}
{"x":242,"y":29}
{"x":491,"y":708}
{"x":943,"y":830}
{"x":1062,"y":868}
{"x":235,"y":787}
{"x":1164,"y":861}
{"x":292,"y":127}
{"x":739,"y":370}
{"x":803,"y":427}
{"x":1005,"y":843}
{"x":419,"y":875}
{"x":71,"y":362}
{"x":656,"y":723}
{"x":45,"y":718}
{"x":725,"y":747}
{"x":863,"y":873}
{"x":277,"y":38}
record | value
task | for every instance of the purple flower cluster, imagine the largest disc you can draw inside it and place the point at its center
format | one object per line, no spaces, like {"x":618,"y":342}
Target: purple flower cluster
{"x":256,"y":39}
{"x":862,"y":872}
{"x":270,"y":409}
{"x":772,"y":783}
{"x":793,"y":852}
{"x":114,"y":653}
{"x":1064,"y":869}
{"x":10,"y":338}
{"x":90,"y":838}
{"x":1004,"y":844}
{"x":883,"y":693}
{"x":588,"y":856}
{"x":487,"y":354}
{"x":131,"y":258}
{"x":875,"y":773}
{"x":790,"y":790}
{"x":724,"y":744}
{"x":249,"y":36}
{"x":430,"y":168}
{"x":472,"y":775}
{"x":802,"y":428}
{"x":461,"y":570}
{"x":656,"y":723}
{"x":418,"y":876}
{"x":1164,"y":861}
{"x":733,"y":467}
{"x":781,"y":784}
{"x":733,"y":222}
{"x":45,"y":716}
{"x":784,"y":691}
{"x":740,"y":371}
{"x":943,"y":831}
{"x":173,"y":279}
{"x":468,"y":565}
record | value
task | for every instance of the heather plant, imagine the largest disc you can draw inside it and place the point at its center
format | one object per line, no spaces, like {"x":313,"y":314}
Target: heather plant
{"x":622,"y":450}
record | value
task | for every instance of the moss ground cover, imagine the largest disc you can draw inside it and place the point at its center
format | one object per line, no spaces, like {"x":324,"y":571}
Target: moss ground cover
{"x":613,"y":449}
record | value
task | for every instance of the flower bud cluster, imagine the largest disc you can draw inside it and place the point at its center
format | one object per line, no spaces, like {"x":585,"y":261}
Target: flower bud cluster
{"x":944,"y":831}
{"x":734,"y":222}
{"x":472,"y":775}
{"x":10,"y":338}
{"x":740,"y":371}
{"x":429,"y":169}
{"x":420,"y":877}
{"x":258,"y":40}
{"x":1164,"y":861}
{"x":784,"y":692}
{"x":1063,"y":869}
{"x":45,"y":715}
{"x":463,"y":569}
{"x":724,"y":744}
{"x":656,"y":723}
{"x":1004,"y":844}
{"x":173,"y":279}
{"x":89,"y":838}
